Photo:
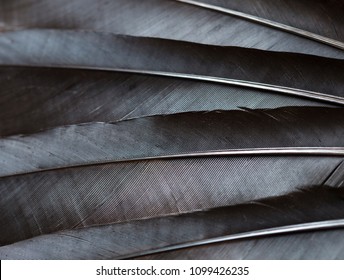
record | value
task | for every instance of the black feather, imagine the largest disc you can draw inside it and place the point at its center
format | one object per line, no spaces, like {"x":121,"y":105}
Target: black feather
{"x":49,"y":201}
{"x":181,"y":135}
{"x":304,"y":74}
{"x":121,"y":240}
{"x":314,"y":245}
{"x":51,"y":97}
{"x":173,"y":20}
{"x":282,"y":15}
{"x":306,"y":15}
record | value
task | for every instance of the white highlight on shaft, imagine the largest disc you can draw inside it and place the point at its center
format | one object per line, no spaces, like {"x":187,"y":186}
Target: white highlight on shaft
{"x":323,"y":225}
{"x":277,"y":25}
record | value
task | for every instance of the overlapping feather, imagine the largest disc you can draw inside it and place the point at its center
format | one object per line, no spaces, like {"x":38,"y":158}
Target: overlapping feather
{"x":302,"y":75}
{"x":136,"y":238}
{"x":72,"y":114}
{"x":236,"y":132}
{"x":53,"y":97}
{"x":175,"y":20}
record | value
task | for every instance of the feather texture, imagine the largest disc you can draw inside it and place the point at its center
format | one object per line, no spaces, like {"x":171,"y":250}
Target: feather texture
{"x":173,"y":20}
{"x":303,"y":75}
{"x":49,"y":201}
{"x":305,"y":14}
{"x":314,"y":245}
{"x":287,"y":20}
{"x":51,"y":97}
{"x":226,"y":132}
{"x":160,"y":234}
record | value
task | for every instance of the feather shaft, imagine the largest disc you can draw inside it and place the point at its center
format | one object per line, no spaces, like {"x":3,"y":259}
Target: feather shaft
{"x":314,"y":245}
{"x":284,"y":27}
{"x":315,"y":226}
{"x":316,"y":16}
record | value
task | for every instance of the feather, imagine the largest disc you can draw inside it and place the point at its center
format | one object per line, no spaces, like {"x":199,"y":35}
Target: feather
{"x":300,"y":210}
{"x":303,"y":75}
{"x":283,"y":12}
{"x":51,"y":97}
{"x":173,"y":20}
{"x":313,"y":245}
{"x":233,"y":132}
{"x":46,"y":202}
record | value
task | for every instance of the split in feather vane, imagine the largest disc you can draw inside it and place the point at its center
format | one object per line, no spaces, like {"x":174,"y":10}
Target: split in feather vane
{"x":302,"y":75}
{"x":50,"y":201}
{"x":294,"y":130}
{"x":298,"y":211}
{"x":52,"y":97}
{"x":175,"y":20}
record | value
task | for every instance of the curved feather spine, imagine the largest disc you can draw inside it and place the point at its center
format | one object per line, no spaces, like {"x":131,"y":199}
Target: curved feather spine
{"x":278,"y":151}
{"x":298,"y":228}
{"x":292,"y":246}
{"x":277,"y":25}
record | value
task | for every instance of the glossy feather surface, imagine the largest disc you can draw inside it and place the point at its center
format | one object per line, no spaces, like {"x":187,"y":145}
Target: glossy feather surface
{"x":172,"y":20}
{"x":45,"y":202}
{"x":174,"y":135}
{"x":77,"y":49}
{"x":54,"y":97}
{"x":305,"y":14}
{"x":140,"y":129}
{"x":134,"y":238}
{"x":316,"y":245}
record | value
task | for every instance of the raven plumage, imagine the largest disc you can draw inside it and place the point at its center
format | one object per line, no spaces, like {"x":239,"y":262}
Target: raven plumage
{"x":104,"y":134}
